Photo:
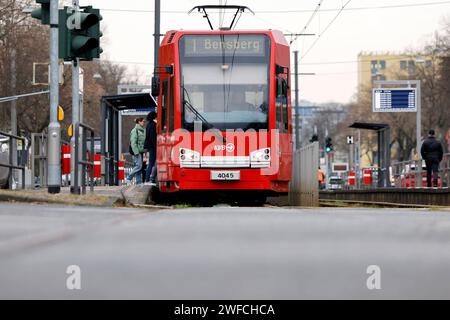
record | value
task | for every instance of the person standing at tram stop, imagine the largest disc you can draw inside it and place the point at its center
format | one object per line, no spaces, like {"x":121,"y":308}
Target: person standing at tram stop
{"x":432,"y":152}
{"x":137,"y":139}
{"x":150,"y":145}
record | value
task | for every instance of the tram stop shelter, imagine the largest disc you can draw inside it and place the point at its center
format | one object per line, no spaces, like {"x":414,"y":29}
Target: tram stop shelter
{"x":113,"y":108}
{"x":384,"y":149}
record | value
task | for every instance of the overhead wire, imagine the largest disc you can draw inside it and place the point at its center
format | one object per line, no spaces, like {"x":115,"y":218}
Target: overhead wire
{"x":419,"y":4}
{"x":308,"y":22}
{"x":324,"y":30}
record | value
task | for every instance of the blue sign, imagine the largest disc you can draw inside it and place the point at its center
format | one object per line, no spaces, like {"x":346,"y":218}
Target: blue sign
{"x":395,"y":100}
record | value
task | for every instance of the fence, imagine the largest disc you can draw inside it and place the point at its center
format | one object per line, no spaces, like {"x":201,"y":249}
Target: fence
{"x":412,"y":173}
{"x":84,"y":161}
{"x":38,"y":156}
{"x":304,"y":186}
{"x":404,"y":174}
{"x":12,"y":139}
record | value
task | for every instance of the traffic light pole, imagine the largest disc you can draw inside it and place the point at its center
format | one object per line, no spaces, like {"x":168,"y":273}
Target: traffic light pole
{"x":75,"y":189}
{"x":54,"y":130}
{"x":157,"y":30}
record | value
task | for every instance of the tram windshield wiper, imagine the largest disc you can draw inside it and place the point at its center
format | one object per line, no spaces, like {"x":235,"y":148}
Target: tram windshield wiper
{"x":187,"y":103}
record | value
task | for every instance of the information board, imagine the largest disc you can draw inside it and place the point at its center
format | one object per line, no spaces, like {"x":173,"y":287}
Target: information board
{"x":229,"y":45}
{"x":394,"y":100}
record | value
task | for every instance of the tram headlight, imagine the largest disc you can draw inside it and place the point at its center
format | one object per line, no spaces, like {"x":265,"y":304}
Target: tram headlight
{"x":189,"y":158}
{"x":260,"y":158}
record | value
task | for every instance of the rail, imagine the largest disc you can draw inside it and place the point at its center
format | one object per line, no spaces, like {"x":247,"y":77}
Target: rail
{"x":10,"y":165}
{"x":84,"y":161}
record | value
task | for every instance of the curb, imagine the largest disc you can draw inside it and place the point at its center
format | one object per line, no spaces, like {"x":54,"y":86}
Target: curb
{"x":83,"y":201}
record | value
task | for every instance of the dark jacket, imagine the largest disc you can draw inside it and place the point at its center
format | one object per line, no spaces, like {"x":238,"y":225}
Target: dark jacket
{"x":432,"y":150}
{"x":150,"y":135}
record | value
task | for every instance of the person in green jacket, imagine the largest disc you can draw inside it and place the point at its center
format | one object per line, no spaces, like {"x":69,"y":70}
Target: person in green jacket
{"x":137,"y":139}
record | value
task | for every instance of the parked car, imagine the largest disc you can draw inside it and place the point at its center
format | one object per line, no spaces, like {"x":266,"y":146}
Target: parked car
{"x":335,"y":183}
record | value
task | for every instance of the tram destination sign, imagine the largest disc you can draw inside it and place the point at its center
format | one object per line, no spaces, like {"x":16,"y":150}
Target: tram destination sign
{"x":214,"y":45}
{"x":394,"y":100}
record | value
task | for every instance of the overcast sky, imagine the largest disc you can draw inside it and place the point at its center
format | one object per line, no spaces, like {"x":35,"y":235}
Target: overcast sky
{"x":362,"y":26}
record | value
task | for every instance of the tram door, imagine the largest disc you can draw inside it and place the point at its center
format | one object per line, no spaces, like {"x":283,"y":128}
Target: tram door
{"x":283,"y":124}
{"x":166,"y":127}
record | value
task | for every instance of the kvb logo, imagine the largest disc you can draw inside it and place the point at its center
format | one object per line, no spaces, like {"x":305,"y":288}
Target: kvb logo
{"x":229,"y":147}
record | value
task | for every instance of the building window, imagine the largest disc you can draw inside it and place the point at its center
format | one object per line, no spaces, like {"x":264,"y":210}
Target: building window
{"x":403,"y":64}
{"x":378,"y":77}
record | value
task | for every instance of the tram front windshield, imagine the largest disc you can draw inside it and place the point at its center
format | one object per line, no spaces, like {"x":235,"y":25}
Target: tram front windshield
{"x":225,"y":81}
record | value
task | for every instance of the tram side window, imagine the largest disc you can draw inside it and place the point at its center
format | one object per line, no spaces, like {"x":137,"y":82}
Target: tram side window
{"x":285,"y":104}
{"x":281,"y":105}
{"x":171,"y":106}
{"x":164,"y":105}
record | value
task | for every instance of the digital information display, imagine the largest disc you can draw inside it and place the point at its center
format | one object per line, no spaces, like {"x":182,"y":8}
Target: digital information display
{"x":394,"y":100}
{"x":214,"y":45}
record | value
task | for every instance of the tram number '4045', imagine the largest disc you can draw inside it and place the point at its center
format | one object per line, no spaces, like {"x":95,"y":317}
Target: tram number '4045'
{"x":225,"y":175}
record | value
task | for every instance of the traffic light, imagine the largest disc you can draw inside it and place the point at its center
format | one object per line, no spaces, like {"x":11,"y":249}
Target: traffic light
{"x":79,"y":34}
{"x":328,"y":145}
{"x":314,"y":138}
{"x":42,"y":13}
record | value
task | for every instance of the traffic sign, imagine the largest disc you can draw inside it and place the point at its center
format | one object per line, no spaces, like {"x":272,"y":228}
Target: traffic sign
{"x":394,"y":100}
{"x":349,"y":139}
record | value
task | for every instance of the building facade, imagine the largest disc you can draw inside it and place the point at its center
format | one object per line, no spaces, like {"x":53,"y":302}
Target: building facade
{"x":388,"y":66}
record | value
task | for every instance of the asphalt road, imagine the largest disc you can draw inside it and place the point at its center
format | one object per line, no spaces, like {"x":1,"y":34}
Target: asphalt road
{"x":223,"y":252}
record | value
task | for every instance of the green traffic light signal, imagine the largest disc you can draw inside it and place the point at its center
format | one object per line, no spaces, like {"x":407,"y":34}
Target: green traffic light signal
{"x":42,"y":13}
{"x":79,"y":34}
{"x":328,"y":145}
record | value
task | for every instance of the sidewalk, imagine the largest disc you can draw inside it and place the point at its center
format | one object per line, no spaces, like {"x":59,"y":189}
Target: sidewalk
{"x":102,"y":197}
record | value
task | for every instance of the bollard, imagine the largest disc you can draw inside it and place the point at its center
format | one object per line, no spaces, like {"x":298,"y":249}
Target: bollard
{"x":367,"y":177}
{"x":121,"y":172}
{"x":65,"y":159}
{"x":351,"y":178}
{"x":97,"y":166}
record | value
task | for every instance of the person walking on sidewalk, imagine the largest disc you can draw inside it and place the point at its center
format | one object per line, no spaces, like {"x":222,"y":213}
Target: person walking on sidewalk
{"x":432,"y":152}
{"x":137,"y":139}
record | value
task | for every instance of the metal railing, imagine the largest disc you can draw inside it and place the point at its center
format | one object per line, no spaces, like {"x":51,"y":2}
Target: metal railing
{"x":404,"y":174}
{"x":412,"y":173}
{"x":10,"y":164}
{"x":38,"y":153}
{"x":84,"y":160}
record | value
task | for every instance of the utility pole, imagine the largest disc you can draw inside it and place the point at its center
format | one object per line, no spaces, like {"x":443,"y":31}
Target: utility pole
{"x":13,"y":113}
{"x":418,"y":121}
{"x":54,"y":129}
{"x":297,"y":115}
{"x":157,"y":30}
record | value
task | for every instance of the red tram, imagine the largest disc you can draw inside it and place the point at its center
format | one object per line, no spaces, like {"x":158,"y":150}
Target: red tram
{"x":224,"y":113}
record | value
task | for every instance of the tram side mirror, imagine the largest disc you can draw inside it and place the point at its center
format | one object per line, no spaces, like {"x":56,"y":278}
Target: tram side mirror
{"x":155,"y":86}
